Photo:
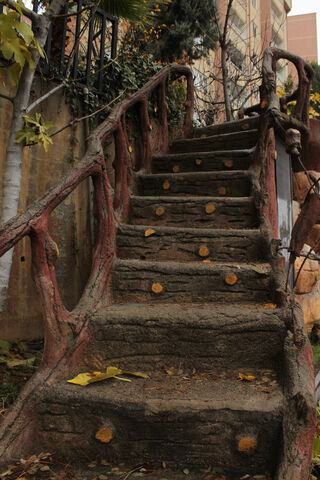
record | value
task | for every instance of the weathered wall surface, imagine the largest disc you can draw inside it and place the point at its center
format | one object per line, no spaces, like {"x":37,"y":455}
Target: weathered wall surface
{"x":70,"y":223}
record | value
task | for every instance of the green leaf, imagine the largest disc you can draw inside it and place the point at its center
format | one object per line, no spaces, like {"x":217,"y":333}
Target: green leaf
{"x":25,"y":362}
{"x":4,"y":346}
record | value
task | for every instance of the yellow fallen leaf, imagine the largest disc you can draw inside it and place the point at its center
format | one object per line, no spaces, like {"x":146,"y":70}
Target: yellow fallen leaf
{"x":149,"y":232}
{"x":130,"y":148}
{"x":104,"y":435}
{"x":86,"y":378}
{"x":247,"y":378}
{"x":169,"y":372}
{"x":270,"y":305}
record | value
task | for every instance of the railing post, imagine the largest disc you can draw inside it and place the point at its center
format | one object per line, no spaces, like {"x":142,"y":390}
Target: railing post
{"x":163,"y":115}
{"x":146,"y":128}
{"x":189,"y":105}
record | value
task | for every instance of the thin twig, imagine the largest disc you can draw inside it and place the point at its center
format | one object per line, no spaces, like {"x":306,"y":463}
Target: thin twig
{"x":46,"y":95}
{"x":26,"y":11}
{"x":2,"y":95}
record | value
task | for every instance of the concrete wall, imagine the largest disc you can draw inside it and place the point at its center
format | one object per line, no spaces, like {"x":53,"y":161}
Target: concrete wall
{"x":69,"y":225}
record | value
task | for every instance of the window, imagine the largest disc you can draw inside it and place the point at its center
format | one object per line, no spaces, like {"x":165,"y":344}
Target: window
{"x":254,"y":30}
{"x":254,"y":3}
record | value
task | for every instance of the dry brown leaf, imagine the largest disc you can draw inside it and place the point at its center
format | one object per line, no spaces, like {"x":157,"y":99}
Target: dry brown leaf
{"x":228,"y":163}
{"x":104,"y":435}
{"x":149,"y":232}
{"x":198,"y":161}
{"x":231,"y":279}
{"x":222,"y":191}
{"x":176,"y":169}
{"x":157,"y":288}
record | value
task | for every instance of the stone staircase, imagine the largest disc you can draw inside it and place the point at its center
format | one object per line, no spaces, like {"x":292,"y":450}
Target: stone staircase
{"x":192,"y":288}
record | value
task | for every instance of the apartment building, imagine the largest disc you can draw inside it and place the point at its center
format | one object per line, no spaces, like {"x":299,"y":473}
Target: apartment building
{"x":302,"y":39}
{"x":253,"y":25}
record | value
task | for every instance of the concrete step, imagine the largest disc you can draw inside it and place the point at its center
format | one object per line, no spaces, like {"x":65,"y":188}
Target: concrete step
{"x":146,"y":471}
{"x":190,"y":244}
{"x":186,"y":336}
{"x":161,"y":282}
{"x":203,"y":161}
{"x":224,"y":141}
{"x":185,"y":420}
{"x":228,"y":127}
{"x":219,"y":184}
{"x":198,"y":212}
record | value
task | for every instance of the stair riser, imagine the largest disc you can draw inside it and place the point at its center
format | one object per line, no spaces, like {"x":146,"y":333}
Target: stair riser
{"x":186,"y":247}
{"x":157,"y":344}
{"x":193,"y":213}
{"x":145,"y":435}
{"x":208,"y":163}
{"x":204,"y":185}
{"x":236,"y":141}
{"x":131,"y":284}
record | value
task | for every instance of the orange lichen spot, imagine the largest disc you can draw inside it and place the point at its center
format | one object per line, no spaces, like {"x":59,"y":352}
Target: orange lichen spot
{"x":104,"y":435}
{"x":275,"y":154}
{"x":203,"y":136}
{"x":187,"y":103}
{"x":231,"y":279}
{"x":270,"y":305}
{"x":160,"y":211}
{"x":210,"y":208}
{"x":206,"y":260}
{"x":150,"y":127}
{"x":247,"y":445}
{"x":228,"y":163}
{"x":166,"y":185}
{"x":222,"y":191}
{"x":149,"y":232}
{"x":156,"y":109}
{"x":57,"y":250}
{"x":245,"y":126}
{"x":263,"y":104}
{"x":130,"y":148}
{"x":203,"y":251}
{"x":198,"y":161}
{"x":176,"y":169}
{"x":157,"y":288}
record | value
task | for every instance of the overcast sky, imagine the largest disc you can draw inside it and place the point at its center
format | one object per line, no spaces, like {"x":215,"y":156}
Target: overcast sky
{"x":308,"y":6}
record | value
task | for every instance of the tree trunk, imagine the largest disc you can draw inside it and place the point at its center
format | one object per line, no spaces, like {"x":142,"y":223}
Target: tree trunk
{"x":226,"y":84}
{"x":14,"y":152}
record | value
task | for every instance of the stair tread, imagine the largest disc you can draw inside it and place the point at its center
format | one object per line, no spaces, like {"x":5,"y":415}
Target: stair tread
{"x":157,"y":472}
{"x":241,"y":133}
{"x":225,"y":153}
{"x":232,"y":126}
{"x":186,"y":392}
{"x":203,"y":315}
{"x":261,"y":268}
{"x":192,"y":198}
{"x":213,"y":174}
{"x":209,"y":232}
